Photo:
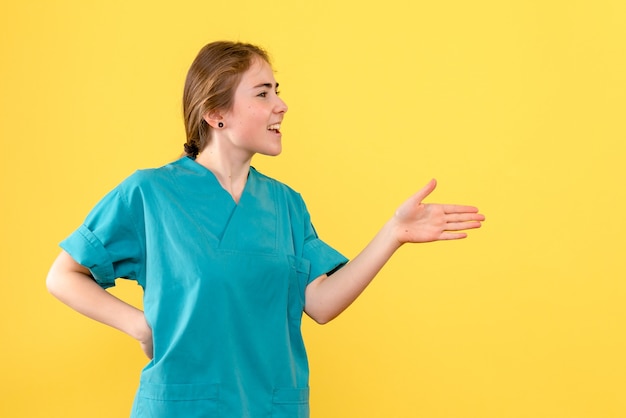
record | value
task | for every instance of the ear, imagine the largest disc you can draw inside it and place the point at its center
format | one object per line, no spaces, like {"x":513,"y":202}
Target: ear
{"x":213,"y":117}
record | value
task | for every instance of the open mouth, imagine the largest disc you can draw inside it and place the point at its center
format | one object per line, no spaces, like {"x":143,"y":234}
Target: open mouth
{"x":275,"y":128}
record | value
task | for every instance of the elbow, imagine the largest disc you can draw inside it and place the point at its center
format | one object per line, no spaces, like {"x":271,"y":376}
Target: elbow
{"x":318,"y":305}
{"x":52,"y":283}
{"x":321,"y":318}
{"x":53,"y":277}
{"x":61,"y":273}
{"x":56,"y":280}
{"x":321,"y":321}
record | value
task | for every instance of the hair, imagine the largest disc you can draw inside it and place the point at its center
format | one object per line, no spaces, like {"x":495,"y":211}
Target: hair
{"x":210,"y":86}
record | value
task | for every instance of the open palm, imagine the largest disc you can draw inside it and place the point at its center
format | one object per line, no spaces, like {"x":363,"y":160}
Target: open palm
{"x":420,"y":222}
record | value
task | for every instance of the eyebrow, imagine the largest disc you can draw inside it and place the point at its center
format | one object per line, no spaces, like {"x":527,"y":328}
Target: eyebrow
{"x":266,"y":85}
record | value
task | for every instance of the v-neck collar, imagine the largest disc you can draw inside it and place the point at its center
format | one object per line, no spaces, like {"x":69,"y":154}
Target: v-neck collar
{"x":249,"y":226}
{"x":204,"y":171}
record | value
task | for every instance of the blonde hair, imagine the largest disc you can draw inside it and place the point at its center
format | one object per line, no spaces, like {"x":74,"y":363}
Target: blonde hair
{"x":210,"y":86}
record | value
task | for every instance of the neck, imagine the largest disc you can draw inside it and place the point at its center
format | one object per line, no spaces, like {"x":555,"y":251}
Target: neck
{"x":230,"y":171}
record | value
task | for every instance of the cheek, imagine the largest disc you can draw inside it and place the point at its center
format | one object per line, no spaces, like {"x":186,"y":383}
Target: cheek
{"x":256,"y":117}
{"x":249,"y":116}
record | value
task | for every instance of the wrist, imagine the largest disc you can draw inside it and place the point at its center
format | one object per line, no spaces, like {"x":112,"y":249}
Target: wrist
{"x":391,"y":233}
{"x":139,"y":328}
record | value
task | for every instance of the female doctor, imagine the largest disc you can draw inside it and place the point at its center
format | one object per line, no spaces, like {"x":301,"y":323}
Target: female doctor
{"x":227,"y":257}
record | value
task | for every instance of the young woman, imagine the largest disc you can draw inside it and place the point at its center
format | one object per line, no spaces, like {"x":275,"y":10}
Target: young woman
{"x":227,"y":257}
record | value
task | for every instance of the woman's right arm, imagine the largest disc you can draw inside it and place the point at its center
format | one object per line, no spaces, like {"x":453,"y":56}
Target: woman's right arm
{"x":73,"y":285}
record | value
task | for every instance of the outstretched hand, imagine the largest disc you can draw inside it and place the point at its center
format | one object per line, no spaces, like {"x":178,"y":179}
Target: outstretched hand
{"x":421,"y":222}
{"x":414,"y":221}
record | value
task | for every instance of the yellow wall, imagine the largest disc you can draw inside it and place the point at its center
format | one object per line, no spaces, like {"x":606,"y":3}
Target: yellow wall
{"x":517,"y":107}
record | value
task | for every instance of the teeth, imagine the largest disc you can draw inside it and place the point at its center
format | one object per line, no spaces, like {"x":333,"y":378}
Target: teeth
{"x":274,"y":127}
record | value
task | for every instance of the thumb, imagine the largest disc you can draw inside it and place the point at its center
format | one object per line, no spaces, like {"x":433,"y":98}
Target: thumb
{"x":425,"y":191}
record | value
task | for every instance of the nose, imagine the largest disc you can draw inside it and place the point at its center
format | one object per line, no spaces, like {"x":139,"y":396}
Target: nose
{"x":281,"y":106}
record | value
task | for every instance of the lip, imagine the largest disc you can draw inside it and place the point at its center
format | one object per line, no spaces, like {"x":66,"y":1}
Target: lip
{"x":275,"y":127}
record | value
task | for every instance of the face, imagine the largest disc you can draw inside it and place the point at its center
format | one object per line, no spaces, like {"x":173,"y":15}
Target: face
{"x":253,"y":124}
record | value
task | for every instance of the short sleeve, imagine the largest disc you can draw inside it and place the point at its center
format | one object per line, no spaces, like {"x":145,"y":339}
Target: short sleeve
{"x":324,"y":259}
{"x":108,"y":243}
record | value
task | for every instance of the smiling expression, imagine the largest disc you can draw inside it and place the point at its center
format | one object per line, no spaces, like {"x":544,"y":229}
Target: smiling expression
{"x":253,"y":124}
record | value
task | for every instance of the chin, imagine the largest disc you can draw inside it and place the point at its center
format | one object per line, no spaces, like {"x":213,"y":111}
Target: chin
{"x":272,"y":152}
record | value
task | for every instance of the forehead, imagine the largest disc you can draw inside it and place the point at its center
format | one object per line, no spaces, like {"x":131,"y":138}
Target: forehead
{"x":260,"y":72}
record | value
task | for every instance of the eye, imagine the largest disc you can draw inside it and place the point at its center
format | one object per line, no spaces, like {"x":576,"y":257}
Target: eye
{"x":264,"y":94}
{"x":277,"y":92}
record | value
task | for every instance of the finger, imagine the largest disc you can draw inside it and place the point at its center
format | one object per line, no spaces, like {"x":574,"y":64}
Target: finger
{"x":446,"y":236}
{"x":459,"y":209}
{"x":464,"y":217}
{"x":461,"y":226}
{"x":425,"y":191}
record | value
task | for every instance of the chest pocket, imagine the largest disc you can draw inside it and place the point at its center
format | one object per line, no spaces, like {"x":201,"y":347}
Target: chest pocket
{"x":298,"y":281}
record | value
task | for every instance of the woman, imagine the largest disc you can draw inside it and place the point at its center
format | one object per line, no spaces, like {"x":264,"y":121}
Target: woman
{"x":227,"y":257}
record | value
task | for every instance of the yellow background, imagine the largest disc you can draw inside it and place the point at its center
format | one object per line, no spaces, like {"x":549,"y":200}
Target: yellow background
{"x":517,"y":107}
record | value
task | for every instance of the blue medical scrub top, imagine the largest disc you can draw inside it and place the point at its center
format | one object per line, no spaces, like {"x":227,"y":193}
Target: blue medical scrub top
{"x":223,"y":288}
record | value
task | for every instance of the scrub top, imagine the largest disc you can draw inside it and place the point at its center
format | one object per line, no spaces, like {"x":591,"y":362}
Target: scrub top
{"x":223,"y":284}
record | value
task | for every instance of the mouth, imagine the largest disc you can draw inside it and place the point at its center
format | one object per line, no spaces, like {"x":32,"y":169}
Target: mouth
{"x":274,"y":128}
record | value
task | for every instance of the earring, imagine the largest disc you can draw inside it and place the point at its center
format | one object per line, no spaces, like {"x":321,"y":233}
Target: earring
{"x":220,"y":125}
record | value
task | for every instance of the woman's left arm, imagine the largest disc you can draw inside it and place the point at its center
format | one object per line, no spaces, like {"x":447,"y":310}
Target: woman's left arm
{"x":413,"y":222}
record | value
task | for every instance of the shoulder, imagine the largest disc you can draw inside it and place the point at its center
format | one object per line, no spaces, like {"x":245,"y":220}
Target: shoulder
{"x":150,"y":177}
{"x":281,"y":187}
{"x":140,"y":186}
{"x":290,"y":199}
